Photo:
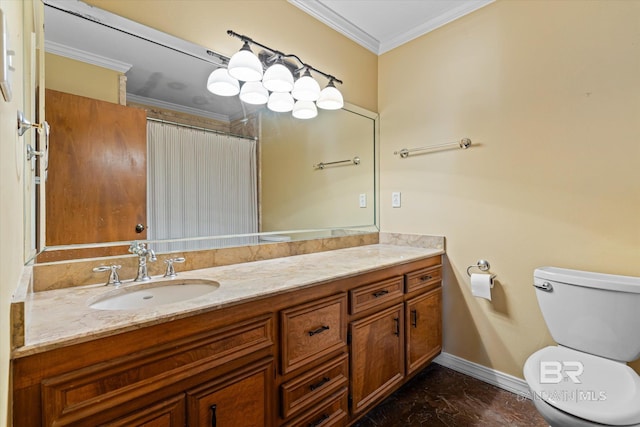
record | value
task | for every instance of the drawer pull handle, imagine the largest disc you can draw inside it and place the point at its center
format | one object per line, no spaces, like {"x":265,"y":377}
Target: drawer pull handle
{"x":319,"y":420}
{"x":380,"y":293}
{"x":426,"y":277}
{"x":414,"y":318}
{"x":397,"y":322}
{"x":320,"y":383}
{"x":319,"y":330}
{"x":213,"y":415}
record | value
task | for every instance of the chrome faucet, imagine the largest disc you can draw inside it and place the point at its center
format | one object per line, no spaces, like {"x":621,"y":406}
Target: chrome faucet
{"x":143,"y":252}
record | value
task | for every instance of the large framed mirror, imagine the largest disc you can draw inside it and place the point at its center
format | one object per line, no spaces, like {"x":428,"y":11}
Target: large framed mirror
{"x":297,"y":179}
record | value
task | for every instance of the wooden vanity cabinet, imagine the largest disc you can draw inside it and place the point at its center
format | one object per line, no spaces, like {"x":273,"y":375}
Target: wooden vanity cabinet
{"x":147,"y":376}
{"x":320,"y":356}
{"x":395,"y":330}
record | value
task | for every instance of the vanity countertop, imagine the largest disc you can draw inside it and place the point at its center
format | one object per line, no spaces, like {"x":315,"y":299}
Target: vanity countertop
{"x":62,"y":317}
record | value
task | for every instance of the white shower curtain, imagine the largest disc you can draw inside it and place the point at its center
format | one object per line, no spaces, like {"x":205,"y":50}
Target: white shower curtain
{"x":199,"y":183}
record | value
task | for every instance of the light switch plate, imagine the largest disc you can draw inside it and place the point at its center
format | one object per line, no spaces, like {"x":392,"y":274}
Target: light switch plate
{"x":6,"y":66}
{"x":363,"y":200}
{"x":395,"y":199}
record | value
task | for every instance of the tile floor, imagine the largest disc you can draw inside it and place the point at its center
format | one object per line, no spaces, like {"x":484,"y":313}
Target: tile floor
{"x":439,"y":396}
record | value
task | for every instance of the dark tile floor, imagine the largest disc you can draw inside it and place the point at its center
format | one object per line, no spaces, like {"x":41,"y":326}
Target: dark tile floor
{"x":439,"y":396}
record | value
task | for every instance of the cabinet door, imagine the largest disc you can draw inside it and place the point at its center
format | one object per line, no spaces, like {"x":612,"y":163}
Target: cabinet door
{"x":423,"y":328}
{"x":377,"y":356}
{"x":169,"y":413}
{"x":243,"y":398}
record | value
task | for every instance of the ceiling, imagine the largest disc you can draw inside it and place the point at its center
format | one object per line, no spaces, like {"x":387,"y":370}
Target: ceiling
{"x":381,"y":25}
{"x":168,"y":72}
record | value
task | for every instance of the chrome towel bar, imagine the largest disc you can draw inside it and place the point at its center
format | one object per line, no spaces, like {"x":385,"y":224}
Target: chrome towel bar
{"x":464,"y":143}
{"x":321,"y":165}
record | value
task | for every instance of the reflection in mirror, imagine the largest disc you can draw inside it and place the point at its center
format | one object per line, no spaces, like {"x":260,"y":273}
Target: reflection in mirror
{"x":206,"y":171}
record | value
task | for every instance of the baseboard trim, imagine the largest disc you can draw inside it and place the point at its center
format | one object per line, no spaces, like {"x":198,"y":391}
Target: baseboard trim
{"x":490,"y":376}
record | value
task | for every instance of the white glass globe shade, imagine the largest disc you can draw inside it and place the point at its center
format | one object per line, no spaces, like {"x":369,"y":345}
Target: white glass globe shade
{"x":306,"y":88}
{"x":245,"y":66}
{"x":221,"y":83}
{"x":254,"y":93}
{"x":305,"y":110}
{"x":278,"y":78}
{"x":330,"y":98}
{"x":280,"y":102}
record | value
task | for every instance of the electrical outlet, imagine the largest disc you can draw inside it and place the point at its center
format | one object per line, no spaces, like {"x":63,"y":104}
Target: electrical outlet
{"x":363,"y":200}
{"x":395,"y":199}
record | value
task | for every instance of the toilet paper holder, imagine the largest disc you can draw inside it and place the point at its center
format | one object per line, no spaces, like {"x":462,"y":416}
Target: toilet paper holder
{"x":482,"y":265}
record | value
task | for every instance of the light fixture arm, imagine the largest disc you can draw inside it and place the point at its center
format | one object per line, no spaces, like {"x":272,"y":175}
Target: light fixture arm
{"x":277,"y":53}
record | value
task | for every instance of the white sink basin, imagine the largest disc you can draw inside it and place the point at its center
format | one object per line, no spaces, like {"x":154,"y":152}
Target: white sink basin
{"x":153,"y":294}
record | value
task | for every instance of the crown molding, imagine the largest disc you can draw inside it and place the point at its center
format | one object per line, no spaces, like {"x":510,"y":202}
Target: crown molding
{"x":327,"y":16}
{"x":338,"y":23}
{"x":432,"y":24}
{"x":88,"y":57}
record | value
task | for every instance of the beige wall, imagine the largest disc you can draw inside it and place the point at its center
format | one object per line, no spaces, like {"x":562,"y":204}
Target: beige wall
{"x":79,"y":78}
{"x":297,"y":196}
{"x":275,"y":23}
{"x":549,"y":93}
{"x":12,"y":170}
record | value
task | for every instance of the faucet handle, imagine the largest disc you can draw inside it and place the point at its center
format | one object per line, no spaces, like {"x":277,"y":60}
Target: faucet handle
{"x":114,"y":279}
{"x":136,"y":247}
{"x":171,"y":272}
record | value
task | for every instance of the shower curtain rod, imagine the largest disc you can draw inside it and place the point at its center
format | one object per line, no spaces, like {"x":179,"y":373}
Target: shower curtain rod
{"x":219,"y":132}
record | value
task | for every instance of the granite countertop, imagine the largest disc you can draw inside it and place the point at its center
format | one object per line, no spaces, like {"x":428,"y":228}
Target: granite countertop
{"x":62,"y":317}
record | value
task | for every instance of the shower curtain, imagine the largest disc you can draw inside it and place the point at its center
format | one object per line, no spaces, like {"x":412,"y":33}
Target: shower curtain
{"x":200,"y":183}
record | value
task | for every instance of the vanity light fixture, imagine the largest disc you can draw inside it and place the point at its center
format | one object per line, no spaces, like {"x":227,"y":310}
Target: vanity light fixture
{"x":244,"y":65}
{"x":277,"y":86}
{"x":221,"y":83}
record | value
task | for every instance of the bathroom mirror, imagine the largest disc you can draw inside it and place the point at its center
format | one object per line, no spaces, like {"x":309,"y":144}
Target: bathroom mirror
{"x":297,"y":199}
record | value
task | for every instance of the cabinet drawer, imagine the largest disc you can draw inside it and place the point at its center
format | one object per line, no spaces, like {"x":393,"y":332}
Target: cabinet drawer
{"x":423,"y":278}
{"x":333,"y":412}
{"x":308,"y":389}
{"x":365,"y":297}
{"x":311,"y":331}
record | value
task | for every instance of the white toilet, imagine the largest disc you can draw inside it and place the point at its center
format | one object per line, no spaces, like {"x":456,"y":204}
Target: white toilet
{"x":584,"y":380}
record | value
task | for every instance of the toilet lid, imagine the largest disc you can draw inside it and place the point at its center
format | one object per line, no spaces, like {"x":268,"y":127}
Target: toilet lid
{"x":586,"y":386}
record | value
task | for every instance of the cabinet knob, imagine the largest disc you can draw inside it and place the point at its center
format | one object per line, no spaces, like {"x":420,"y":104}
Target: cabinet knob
{"x":426,"y":277}
{"x":139,"y":228}
{"x":397,"y":322}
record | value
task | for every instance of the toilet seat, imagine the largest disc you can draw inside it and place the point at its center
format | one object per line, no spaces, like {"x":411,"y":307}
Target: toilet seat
{"x":593,"y":388}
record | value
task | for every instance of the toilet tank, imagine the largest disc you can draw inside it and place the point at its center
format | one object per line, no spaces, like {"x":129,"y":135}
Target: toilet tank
{"x":591,"y":312}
